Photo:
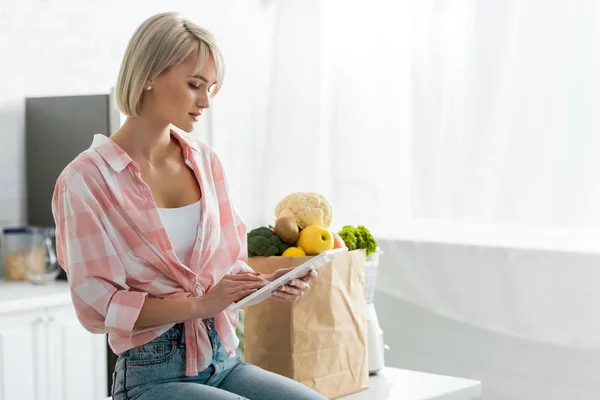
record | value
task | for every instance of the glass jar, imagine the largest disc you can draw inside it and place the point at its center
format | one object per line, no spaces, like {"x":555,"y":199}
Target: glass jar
{"x":29,"y":255}
{"x":16,"y":245}
{"x":41,"y":265}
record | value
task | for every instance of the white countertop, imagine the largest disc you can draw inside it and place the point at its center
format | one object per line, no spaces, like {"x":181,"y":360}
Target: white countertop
{"x":23,"y":296}
{"x":401,"y":384}
{"x":394,"y":383}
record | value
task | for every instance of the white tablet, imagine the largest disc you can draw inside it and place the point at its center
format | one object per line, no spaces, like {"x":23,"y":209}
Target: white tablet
{"x":298,"y":272}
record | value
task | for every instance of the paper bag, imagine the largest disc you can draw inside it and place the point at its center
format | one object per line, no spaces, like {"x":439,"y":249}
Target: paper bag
{"x":319,"y":340}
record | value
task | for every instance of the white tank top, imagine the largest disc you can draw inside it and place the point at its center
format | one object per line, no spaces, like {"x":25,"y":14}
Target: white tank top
{"x":181,"y":225}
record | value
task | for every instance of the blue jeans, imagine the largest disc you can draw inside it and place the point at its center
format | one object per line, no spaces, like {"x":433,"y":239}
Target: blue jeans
{"x":156,"y":370}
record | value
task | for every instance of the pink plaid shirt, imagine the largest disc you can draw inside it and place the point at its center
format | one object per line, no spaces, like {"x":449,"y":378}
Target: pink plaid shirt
{"x":112,"y":244}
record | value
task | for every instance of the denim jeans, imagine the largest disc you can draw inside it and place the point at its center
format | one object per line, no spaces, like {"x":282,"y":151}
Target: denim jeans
{"x":156,"y":370}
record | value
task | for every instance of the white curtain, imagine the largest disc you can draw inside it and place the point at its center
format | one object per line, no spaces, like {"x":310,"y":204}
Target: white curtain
{"x":504,"y":113}
{"x":236,"y":124}
{"x":431,"y":117}
{"x":324,"y":106}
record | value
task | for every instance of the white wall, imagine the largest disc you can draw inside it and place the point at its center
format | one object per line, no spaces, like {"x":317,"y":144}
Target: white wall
{"x":68,"y":47}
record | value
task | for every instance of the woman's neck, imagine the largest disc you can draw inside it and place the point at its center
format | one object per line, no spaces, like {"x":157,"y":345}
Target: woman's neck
{"x":144,"y":139}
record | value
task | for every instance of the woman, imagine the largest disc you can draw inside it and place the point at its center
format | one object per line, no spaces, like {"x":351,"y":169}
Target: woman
{"x":153,"y":249}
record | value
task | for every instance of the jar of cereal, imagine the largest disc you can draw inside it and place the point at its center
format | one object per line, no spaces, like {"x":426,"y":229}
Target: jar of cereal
{"x":22,"y":251}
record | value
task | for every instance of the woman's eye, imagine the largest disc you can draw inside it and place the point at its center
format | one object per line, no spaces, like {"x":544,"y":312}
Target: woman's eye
{"x":193,"y":86}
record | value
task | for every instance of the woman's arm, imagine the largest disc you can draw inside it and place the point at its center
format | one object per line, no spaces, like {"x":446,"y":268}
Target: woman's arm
{"x":156,"y":312}
{"x":231,"y":288}
{"x":102,"y":300}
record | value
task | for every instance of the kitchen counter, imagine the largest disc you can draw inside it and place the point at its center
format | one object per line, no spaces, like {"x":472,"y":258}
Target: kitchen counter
{"x":394,"y":383}
{"x":25,"y":296}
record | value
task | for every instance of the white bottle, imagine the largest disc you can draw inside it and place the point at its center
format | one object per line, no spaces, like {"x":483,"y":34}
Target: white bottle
{"x":375,"y":341}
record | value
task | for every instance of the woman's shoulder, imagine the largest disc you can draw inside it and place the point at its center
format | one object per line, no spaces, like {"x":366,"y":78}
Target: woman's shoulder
{"x":82,"y":174}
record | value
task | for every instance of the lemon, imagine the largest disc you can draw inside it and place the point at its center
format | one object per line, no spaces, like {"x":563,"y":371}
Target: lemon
{"x":294,"y":252}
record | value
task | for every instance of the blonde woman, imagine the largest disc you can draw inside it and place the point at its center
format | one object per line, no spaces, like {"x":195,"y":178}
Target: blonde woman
{"x":152,"y":246}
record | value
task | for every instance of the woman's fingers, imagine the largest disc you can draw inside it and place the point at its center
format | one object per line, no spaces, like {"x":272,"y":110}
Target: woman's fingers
{"x":308,"y":277}
{"x":295,"y":285}
{"x":286,"y":289}
{"x":281,"y":272}
{"x":237,"y":286}
{"x":238,"y":283}
{"x":285,"y":296}
{"x":244,"y":277}
{"x":299,"y":284}
{"x":237,"y":296}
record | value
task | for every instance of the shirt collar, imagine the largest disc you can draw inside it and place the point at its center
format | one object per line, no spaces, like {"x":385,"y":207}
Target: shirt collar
{"x":185,"y":142}
{"x":115,"y":156}
{"x":118,"y":159}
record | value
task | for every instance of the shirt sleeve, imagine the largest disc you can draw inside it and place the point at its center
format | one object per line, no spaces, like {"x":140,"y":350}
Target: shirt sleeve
{"x":96,"y":275}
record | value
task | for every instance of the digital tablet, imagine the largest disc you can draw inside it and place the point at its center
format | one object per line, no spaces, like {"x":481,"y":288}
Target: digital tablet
{"x":298,"y":272}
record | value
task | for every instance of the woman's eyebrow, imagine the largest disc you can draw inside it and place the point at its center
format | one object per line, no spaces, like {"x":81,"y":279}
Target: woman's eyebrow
{"x":201,"y":78}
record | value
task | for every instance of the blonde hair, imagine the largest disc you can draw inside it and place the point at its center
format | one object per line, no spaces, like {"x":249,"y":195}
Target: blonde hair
{"x":160,"y":42}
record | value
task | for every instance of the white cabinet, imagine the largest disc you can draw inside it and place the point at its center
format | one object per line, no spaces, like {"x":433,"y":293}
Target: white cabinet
{"x":77,"y":358}
{"x":45,"y":353}
{"x":19,"y":334}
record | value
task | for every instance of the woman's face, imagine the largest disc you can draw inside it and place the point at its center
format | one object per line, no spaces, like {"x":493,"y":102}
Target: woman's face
{"x":180,"y":94}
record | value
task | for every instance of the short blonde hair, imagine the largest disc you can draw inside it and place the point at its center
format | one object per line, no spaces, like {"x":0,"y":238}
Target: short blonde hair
{"x":160,"y":42}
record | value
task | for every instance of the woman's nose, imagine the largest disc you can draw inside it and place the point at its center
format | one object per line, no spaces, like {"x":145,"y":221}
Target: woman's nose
{"x":203,"y":101}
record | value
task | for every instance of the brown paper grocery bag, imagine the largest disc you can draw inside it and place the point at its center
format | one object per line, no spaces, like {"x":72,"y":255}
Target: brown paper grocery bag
{"x":319,"y":340}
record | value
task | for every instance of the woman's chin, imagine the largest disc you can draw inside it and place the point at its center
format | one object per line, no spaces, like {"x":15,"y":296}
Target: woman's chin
{"x":186,"y":127}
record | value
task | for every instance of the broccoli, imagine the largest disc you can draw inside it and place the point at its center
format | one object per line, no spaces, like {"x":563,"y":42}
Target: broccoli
{"x":358,"y":238}
{"x":263,"y":241}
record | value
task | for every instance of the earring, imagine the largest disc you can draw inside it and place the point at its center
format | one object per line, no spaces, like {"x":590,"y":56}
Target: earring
{"x":149,"y":88}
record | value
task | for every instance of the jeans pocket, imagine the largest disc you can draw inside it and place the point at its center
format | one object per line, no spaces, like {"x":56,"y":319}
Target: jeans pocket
{"x":149,"y":365}
{"x":155,"y":352}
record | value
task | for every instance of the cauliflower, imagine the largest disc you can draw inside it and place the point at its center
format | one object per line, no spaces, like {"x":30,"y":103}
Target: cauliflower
{"x":306,"y":208}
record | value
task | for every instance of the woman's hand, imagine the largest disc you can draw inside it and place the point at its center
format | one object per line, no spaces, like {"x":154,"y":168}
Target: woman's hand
{"x":294,"y":289}
{"x":230,"y":289}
